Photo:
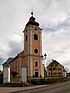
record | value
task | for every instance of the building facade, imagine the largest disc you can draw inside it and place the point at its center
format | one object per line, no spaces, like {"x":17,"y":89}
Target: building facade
{"x":55,"y":70}
{"x":31,"y":55}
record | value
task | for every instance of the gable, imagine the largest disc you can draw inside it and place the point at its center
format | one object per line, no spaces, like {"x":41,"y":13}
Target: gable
{"x":54,"y":62}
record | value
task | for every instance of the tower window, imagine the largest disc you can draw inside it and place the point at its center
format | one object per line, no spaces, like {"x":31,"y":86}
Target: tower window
{"x":36,"y":64}
{"x":35,"y":37}
{"x":35,"y":28}
{"x":26,"y":37}
{"x":36,"y":50}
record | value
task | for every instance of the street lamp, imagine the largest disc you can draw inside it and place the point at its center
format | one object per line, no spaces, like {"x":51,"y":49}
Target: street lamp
{"x":43,"y":56}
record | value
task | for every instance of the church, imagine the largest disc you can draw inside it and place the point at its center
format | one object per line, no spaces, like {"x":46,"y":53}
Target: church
{"x":27,"y":64}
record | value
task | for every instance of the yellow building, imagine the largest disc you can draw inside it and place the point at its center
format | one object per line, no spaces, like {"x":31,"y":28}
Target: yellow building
{"x":31,"y":55}
{"x":55,"y":70}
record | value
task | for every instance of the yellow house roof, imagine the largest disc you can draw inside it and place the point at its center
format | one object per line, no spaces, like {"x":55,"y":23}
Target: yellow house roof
{"x":54,"y":62}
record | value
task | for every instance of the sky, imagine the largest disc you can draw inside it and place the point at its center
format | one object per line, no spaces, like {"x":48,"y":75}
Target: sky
{"x":53,"y":17}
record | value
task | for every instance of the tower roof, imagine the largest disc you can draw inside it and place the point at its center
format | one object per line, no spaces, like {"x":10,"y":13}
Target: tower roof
{"x":32,"y":21}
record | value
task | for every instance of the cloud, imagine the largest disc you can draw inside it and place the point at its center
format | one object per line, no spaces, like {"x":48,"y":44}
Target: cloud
{"x":56,"y":42}
{"x":54,"y":18}
{"x":15,"y":45}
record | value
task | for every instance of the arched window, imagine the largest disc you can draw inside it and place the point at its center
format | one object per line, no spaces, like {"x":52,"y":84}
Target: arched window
{"x":35,"y":37}
{"x":36,"y":64}
{"x":36,"y":50}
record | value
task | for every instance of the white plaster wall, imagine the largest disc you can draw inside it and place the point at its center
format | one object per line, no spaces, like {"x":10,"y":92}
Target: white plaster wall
{"x":6,"y":74}
{"x":64,"y":74}
{"x":24,"y":79}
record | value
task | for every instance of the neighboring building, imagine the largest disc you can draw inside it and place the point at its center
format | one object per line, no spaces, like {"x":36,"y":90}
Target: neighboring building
{"x":64,"y":73}
{"x":31,"y":55}
{"x":55,"y":70}
{"x":68,"y":75}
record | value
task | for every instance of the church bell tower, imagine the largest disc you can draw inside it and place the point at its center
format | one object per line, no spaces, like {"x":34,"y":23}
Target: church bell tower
{"x":33,"y":48}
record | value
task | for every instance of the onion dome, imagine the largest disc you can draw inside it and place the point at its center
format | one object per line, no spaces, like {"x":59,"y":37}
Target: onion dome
{"x":32,"y":21}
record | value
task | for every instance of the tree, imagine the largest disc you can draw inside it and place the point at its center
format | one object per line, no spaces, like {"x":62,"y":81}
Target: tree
{"x":66,"y":69}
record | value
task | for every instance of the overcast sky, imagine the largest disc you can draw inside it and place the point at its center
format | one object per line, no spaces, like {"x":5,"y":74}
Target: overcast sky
{"x":53,"y":17}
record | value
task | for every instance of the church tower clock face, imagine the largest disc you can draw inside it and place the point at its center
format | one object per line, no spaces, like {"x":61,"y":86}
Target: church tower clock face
{"x":33,"y":48}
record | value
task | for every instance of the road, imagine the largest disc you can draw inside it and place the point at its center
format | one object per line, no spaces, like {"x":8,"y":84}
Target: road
{"x":56,"y":88}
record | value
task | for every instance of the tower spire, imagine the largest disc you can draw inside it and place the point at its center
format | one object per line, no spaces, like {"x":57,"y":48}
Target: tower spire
{"x":32,"y":21}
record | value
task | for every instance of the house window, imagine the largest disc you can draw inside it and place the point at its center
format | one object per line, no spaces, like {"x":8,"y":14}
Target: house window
{"x":35,"y":37}
{"x":59,"y":68}
{"x":59,"y":73}
{"x":36,"y":64}
{"x":54,"y":68}
{"x":55,"y":73}
{"x":26,"y":37}
{"x":36,"y":50}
